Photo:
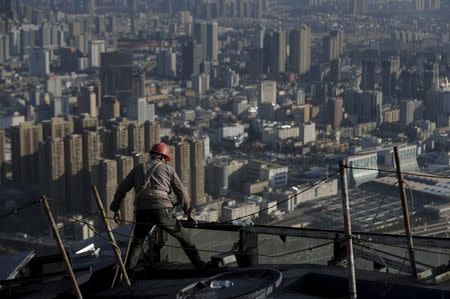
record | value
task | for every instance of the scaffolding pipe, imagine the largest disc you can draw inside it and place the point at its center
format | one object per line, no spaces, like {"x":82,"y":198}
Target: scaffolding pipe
{"x":406,"y":217}
{"x":111,"y":237}
{"x":348,"y":231}
{"x":52,"y":223}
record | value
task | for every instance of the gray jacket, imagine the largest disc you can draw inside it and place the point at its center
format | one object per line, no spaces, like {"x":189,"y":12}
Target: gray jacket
{"x":163,"y":181}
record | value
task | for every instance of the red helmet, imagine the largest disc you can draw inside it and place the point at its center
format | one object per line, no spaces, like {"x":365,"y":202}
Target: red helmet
{"x":161,"y":149}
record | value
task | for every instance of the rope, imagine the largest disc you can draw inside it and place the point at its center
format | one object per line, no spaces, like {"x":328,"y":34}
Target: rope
{"x":20,"y":208}
{"x":404,"y":173}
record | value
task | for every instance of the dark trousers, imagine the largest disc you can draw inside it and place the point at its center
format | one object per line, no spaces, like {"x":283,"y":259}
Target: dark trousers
{"x":166,"y":220}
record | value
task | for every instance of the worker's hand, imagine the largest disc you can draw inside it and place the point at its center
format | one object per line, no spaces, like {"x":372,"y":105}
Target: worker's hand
{"x":192,"y":220}
{"x":117,"y":217}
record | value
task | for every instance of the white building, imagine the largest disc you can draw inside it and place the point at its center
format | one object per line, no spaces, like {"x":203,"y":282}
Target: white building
{"x":139,"y":110}
{"x":267,"y":92}
{"x":237,"y":210}
{"x":200,"y":83}
{"x":307,"y":133}
{"x":96,"y":47}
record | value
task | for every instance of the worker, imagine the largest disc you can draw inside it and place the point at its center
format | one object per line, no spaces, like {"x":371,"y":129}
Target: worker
{"x":153,"y":181}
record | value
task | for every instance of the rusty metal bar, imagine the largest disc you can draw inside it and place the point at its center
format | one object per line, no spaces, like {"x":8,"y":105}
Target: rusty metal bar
{"x":406,"y":217}
{"x":348,"y":231}
{"x":52,"y":223}
{"x":111,"y":237}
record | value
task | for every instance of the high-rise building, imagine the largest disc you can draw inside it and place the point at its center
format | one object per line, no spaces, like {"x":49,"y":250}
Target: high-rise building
{"x":167,"y":63}
{"x":124,"y":166}
{"x":85,"y":122}
{"x":431,"y":76}
{"x":25,"y":140}
{"x":183,"y":163}
{"x":360,"y":7}
{"x":368,"y":75}
{"x":105,"y":179}
{"x":96,"y":47}
{"x":87,"y":101}
{"x":73,"y":146}
{"x":110,"y":108}
{"x":267,"y":92}
{"x":91,"y":150}
{"x":192,"y":56}
{"x":39,"y":62}
{"x":116,"y":74}
{"x":365,"y":106}
{"x":4,"y":48}
{"x":389,"y":75}
{"x":212,"y":37}
{"x":206,"y":34}
{"x":300,"y":50}
{"x":255,"y":65}
{"x":118,"y":140}
{"x":197,"y":160}
{"x":138,"y":83}
{"x":139,"y":110}
{"x":275,"y":51}
{"x":335,"y":112}
{"x":136,"y":137}
{"x":52,"y":171}
{"x":333,"y":45}
{"x":57,"y":127}
{"x":151,"y":131}
{"x":8,"y":9}
{"x":411,"y":110}
{"x":335,"y":70}
{"x":200,"y":83}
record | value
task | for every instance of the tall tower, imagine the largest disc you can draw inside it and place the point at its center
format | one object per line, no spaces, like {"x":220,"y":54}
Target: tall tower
{"x":73,"y":146}
{"x":52,"y":171}
{"x":96,"y":48}
{"x":300,"y":50}
{"x":275,"y":51}
{"x":91,"y":150}
{"x":212,"y":35}
{"x":57,"y":127}
{"x":200,"y":35}
{"x":25,"y":139}
{"x":116,"y":73}
{"x":197,"y":161}
{"x":119,"y":139}
{"x":333,"y":45}
{"x":136,"y":137}
{"x":151,"y":131}
{"x":183,"y":164}
{"x":106,"y":180}
{"x":124,"y":166}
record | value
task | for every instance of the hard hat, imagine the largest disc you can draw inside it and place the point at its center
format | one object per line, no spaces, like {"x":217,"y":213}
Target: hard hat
{"x":161,"y":149}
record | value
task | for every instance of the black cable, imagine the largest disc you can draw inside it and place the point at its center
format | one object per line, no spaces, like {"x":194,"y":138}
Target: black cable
{"x":404,"y":173}
{"x":20,"y":208}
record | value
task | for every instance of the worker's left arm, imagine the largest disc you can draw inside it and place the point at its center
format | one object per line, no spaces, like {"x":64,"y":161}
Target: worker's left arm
{"x":126,"y":185}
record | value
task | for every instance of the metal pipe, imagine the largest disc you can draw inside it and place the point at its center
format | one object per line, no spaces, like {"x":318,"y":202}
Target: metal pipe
{"x":348,"y":231}
{"x":111,"y":237}
{"x":406,"y":218}
{"x":60,"y":244}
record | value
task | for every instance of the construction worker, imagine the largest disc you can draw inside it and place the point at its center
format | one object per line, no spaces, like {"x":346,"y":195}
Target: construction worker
{"x":153,"y":181}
